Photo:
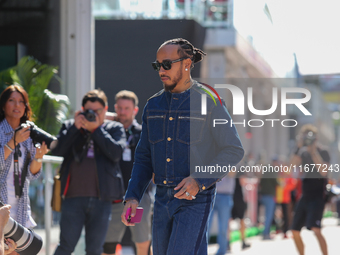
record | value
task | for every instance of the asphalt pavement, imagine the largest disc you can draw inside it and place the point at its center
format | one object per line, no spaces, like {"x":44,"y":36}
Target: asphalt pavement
{"x":280,"y":246}
{"x":277,"y":245}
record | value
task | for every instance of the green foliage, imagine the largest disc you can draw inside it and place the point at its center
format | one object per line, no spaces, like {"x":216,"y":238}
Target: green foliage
{"x":49,"y":109}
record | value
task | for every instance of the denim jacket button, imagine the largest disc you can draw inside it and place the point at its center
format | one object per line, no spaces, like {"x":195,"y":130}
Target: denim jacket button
{"x":164,"y":182}
{"x":171,"y":118}
{"x":168,"y":160}
{"x":169,"y":139}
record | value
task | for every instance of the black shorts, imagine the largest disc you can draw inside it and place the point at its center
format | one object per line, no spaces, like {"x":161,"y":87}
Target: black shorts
{"x":308,"y":212}
{"x":239,"y":209}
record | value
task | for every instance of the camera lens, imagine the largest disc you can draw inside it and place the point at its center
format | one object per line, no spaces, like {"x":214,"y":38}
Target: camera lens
{"x":28,"y":242}
{"x":90,"y":115}
{"x":38,"y":136}
{"x":309,"y":138}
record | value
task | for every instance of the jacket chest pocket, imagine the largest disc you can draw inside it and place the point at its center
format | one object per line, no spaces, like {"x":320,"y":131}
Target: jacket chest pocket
{"x":156,"y":128}
{"x":190,"y":129}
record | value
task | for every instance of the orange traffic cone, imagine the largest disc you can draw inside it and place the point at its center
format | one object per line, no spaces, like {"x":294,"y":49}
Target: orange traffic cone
{"x":118,"y":249}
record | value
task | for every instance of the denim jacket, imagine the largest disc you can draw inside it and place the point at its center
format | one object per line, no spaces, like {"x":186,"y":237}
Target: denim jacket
{"x":176,"y":138}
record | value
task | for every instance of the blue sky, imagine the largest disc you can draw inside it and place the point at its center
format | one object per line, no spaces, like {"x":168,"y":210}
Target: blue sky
{"x":310,"y":28}
{"x":305,"y":27}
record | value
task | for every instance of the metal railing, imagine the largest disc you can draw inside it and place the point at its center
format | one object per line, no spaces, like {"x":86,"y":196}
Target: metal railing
{"x":47,"y":167}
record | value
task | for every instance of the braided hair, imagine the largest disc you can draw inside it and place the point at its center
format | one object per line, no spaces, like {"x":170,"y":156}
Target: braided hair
{"x":186,"y":49}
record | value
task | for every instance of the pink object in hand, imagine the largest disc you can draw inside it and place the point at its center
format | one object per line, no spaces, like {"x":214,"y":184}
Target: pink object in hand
{"x":137,"y":218}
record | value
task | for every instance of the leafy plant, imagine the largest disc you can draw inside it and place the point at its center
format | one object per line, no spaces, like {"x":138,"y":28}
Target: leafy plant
{"x":49,"y":109}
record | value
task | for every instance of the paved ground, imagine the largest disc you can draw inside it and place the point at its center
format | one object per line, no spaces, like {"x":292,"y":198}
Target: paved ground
{"x":277,"y":246}
{"x":280,"y":246}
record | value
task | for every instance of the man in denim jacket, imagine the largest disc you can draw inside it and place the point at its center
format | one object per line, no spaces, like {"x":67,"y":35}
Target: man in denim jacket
{"x":177,"y":145}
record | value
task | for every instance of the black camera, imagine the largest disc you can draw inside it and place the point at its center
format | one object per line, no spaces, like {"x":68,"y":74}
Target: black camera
{"x":28,"y":242}
{"x":38,"y":135}
{"x":90,"y":115}
{"x":309,"y":138}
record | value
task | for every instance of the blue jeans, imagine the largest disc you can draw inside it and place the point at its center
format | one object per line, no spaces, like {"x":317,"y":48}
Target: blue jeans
{"x":223,"y":205}
{"x":180,"y":225}
{"x":77,"y":212}
{"x":269,"y":204}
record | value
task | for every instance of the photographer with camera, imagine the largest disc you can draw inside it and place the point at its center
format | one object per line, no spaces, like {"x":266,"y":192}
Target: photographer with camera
{"x":309,"y":209}
{"x":20,"y":160}
{"x":90,"y":174}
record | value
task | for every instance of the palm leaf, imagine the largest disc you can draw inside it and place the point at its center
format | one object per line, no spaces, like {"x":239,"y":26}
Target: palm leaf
{"x":56,"y":107}
{"x":49,"y":109}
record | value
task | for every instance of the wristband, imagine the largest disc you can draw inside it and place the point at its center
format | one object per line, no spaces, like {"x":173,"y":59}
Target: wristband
{"x":39,"y":160}
{"x":8,"y":147}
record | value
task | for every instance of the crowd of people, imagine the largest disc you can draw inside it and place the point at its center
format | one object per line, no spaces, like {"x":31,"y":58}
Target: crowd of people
{"x":112,"y":165}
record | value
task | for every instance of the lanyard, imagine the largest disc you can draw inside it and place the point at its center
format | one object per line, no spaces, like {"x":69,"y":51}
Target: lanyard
{"x":17,"y":186}
{"x":130,"y":137}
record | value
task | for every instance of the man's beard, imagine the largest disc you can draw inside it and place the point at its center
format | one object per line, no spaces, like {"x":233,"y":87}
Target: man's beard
{"x":169,"y":87}
{"x":177,"y":78}
{"x":124,"y":120}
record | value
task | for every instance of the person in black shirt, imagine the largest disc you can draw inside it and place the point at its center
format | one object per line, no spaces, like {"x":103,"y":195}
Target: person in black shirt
{"x":309,"y":209}
{"x":239,"y":207}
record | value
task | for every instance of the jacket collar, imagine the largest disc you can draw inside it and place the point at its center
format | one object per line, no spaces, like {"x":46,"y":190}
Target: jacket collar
{"x":6,"y":127}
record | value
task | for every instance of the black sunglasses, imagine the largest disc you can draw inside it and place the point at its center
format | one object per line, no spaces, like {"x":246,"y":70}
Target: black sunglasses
{"x":166,"y":64}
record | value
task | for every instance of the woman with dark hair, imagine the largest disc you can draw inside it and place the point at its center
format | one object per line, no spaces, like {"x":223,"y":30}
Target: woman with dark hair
{"x":20,"y":160}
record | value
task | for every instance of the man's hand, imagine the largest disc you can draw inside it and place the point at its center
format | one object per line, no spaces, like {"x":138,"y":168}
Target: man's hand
{"x":111,"y":116}
{"x":78,"y":119}
{"x":4,"y":215}
{"x":312,"y":149}
{"x":133,"y":204}
{"x":11,"y":246}
{"x":91,"y":125}
{"x":81,"y":122}
{"x":188,"y":188}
